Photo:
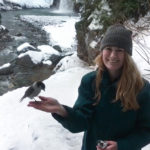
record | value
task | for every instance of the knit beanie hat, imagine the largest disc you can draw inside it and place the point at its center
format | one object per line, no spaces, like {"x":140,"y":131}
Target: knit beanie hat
{"x":119,"y":36}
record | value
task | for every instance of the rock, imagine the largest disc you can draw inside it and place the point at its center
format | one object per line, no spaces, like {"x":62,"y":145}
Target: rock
{"x":3,"y":31}
{"x":6,"y":71}
{"x":9,"y":6}
{"x":55,"y":5}
{"x":19,"y":34}
{"x":77,"y":7}
{"x":24,"y":76}
{"x":58,"y":48}
{"x":55,"y":59}
{"x":4,"y":37}
{"x":26,"y":72}
{"x":25,"y":61}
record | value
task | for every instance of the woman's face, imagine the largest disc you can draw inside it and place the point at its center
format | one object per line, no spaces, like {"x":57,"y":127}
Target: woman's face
{"x":113,"y":58}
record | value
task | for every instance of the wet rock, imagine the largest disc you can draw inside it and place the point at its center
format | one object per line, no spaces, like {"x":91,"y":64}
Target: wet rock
{"x":55,"y":59}
{"x":4,"y":36}
{"x":9,"y":6}
{"x":19,"y":34}
{"x":6,"y":71}
{"x":58,"y":48}
{"x":3,"y":31}
{"x":55,"y":5}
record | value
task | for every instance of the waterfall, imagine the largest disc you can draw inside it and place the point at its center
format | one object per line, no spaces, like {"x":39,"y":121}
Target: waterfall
{"x":66,"y":6}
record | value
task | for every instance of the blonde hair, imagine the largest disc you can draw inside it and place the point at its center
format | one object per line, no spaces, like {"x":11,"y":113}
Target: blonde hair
{"x":128,"y":86}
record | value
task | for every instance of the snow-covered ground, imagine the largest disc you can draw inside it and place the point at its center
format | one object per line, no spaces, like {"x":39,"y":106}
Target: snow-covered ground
{"x":31,"y":4}
{"x":24,"y":128}
{"x":65,"y":5}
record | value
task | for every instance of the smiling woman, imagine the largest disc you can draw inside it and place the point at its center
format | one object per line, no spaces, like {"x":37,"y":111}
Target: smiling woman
{"x":113,"y":101}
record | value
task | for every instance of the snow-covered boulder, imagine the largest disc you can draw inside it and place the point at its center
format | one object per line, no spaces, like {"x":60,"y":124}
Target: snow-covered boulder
{"x":25,"y":47}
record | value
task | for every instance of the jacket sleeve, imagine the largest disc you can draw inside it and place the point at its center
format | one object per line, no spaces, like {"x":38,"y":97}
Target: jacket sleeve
{"x":140,"y":136}
{"x":80,"y":115}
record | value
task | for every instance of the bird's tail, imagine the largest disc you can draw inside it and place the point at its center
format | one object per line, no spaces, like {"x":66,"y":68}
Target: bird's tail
{"x":22,"y":99}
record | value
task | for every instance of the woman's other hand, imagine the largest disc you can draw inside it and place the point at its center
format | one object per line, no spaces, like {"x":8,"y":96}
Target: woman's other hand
{"x":49,"y":104}
{"x":112,"y":145}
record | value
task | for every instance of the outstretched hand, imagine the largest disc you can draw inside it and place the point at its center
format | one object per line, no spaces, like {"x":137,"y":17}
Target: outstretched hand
{"x":48,"y":104}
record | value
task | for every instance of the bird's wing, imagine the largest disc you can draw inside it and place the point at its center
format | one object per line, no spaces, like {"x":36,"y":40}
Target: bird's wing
{"x":28,"y":92}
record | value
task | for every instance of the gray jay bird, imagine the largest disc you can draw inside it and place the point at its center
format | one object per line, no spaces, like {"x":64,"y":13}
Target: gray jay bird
{"x":34,"y":90}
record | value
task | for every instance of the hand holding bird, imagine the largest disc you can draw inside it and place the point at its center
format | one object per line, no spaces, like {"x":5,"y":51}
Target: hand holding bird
{"x":49,"y":104}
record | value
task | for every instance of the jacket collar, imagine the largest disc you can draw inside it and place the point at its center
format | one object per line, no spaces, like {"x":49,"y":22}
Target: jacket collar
{"x":106,"y":81}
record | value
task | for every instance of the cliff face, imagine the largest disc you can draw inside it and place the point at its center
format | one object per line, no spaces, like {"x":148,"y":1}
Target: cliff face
{"x":97,"y":15}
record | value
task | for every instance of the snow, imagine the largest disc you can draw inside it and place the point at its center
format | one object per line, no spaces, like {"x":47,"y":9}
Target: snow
{"x":23,"y":46}
{"x":58,"y":31}
{"x":25,"y":128}
{"x":93,"y":44}
{"x":95,"y":16}
{"x":46,"y":49}
{"x":1,"y":2}
{"x":95,"y":25}
{"x":38,"y":56}
{"x":5,"y":66}
{"x":69,"y":62}
{"x":2,"y":27}
{"x":33,"y":3}
{"x":56,"y":27}
{"x":29,"y":129}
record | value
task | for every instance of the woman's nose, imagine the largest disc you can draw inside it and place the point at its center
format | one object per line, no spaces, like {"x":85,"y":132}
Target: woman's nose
{"x":113,"y":53}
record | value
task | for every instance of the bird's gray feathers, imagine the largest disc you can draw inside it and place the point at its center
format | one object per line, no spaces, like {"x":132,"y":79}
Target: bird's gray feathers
{"x":34,"y":90}
{"x":29,"y":91}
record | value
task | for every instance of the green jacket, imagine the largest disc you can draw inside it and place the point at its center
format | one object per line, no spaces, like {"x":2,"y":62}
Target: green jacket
{"x":107,"y":121}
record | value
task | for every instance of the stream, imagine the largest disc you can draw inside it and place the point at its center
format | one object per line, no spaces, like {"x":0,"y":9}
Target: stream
{"x":21,"y":32}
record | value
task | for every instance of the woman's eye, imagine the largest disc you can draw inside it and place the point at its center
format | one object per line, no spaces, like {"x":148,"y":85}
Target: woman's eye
{"x":120,"y":50}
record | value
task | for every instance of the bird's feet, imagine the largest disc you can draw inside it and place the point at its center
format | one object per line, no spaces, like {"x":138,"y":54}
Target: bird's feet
{"x":35,"y":100}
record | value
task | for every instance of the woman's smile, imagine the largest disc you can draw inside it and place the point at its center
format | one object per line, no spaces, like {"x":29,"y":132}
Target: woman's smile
{"x":113,"y":58}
